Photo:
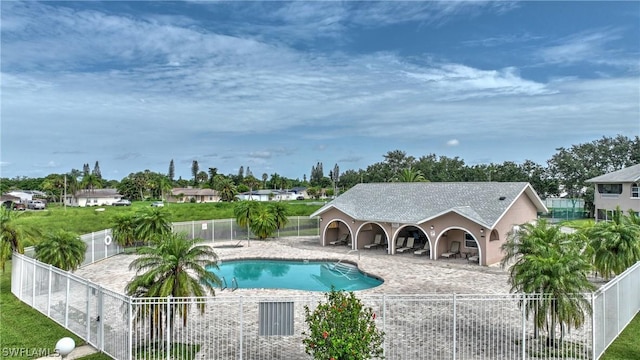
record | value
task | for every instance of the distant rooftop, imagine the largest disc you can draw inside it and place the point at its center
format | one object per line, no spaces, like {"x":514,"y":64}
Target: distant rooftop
{"x":628,"y":174}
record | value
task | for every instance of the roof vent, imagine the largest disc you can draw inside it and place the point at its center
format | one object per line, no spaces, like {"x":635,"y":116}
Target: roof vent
{"x":502,"y":197}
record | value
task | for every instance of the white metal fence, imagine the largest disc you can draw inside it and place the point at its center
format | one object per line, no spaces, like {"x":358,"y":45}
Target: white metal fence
{"x":614,"y":306}
{"x":415,"y":326}
{"x":228,"y":229}
{"x":101,"y":245}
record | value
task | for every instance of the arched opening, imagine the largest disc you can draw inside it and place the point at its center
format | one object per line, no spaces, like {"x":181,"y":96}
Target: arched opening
{"x":494,"y":235}
{"x":336,"y":232}
{"x":411,"y":238}
{"x":370,"y":236}
{"x":467,"y":245}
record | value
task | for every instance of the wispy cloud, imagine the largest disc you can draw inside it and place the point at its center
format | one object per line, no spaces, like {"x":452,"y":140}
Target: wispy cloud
{"x":453,"y":142}
{"x":506,"y":39}
{"x":593,"y":46}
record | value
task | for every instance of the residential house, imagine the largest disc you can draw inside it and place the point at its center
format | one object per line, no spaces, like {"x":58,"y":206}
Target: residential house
{"x":268,"y":195}
{"x":93,"y":197}
{"x":300,"y":191}
{"x":26,"y":195}
{"x":477,"y":216}
{"x":8,"y":201}
{"x":257,"y":195}
{"x":619,"y":188}
{"x":182,"y":195}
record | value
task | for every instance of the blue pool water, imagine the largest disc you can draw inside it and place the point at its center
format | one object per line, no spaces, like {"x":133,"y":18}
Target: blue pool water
{"x":296,"y":275}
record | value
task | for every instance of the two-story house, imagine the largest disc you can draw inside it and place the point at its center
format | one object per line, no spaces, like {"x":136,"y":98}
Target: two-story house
{"x":619,"y":188}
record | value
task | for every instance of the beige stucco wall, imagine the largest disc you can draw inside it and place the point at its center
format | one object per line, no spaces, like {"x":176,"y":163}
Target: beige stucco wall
{"x":522,"y":211}
{"x":611,"y":201}
{"x":331,"y":234}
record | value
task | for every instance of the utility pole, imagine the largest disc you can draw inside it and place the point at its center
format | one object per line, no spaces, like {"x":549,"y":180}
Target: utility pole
{"x":65,"y":193}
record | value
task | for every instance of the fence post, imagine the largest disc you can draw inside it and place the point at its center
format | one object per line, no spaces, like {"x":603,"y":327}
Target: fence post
{"x":93,"y":249}
{"x":593,"y":326}
{"x":33,"y":288}
{"x":384,"y":323}
{"x":618,"y":307}
{"x":130,"y":324}
{"x":169,"y":327}
{"x":49,"y":295}
{"x":193,"y":229}
{"x":66,"y":304}
{"x":87,"y":308}
{"x":213,"y":231}
{"x":241,"y":326}
{"x":100,"y":324}
{"x":524,"y":325}
{"x":22,"y":262}
{"x":454,"y":326}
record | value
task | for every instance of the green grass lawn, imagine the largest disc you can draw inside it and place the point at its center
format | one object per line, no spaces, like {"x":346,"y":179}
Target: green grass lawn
{"x":577,"y":224}
{"x":627,"y":345}
{"x":25,"y":330}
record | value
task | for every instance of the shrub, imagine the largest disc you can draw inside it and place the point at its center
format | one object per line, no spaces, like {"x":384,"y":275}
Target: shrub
{"x":342,"y":329}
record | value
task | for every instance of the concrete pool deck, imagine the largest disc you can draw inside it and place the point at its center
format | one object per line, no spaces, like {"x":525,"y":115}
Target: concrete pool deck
{"x":402,"y":273}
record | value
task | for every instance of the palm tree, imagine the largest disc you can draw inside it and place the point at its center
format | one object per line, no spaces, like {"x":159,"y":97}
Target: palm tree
{"x":124,"y":228}
{"x":279,"y":212}
{"x":615,"y":244}
{"x":165,"y":186}
{"x":410,"y":175}
{"x":244,"y":211}
{"x":252,"y":183}
{"x":227,"y":189}
{"x":633,"y":217}
{"x":13,"y":236}
{"x":152,"y":224}
{"x":175,"y":267}
{"x":91,"y":182}
{"x":263,"y":222}
{"x":551,"y":268}
{"x":62,"y":249}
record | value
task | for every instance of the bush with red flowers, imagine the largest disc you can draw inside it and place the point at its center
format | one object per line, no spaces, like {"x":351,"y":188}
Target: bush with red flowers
{"x":342,"y":328}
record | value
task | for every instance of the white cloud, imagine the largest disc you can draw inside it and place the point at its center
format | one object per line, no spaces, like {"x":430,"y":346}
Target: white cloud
{"x":260,"y":154}
{"x":594,"y":46}
{"x":181,"y":92}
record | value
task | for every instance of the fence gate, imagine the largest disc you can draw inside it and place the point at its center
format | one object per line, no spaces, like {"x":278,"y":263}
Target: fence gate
{"x":94,"y":309}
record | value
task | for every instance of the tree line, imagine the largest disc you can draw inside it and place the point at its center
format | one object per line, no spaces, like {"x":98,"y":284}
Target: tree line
{"x":564,"y":173}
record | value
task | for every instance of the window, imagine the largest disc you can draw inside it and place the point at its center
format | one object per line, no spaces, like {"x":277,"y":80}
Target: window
{"x":469,"y":241}
{"x":635,"y":190}
{"x":610,"y":188}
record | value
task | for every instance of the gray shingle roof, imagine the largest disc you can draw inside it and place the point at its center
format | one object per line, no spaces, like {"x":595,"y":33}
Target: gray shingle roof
{"x":419,"y":201}
{"x":628,"y":174}
{"x":108,"y":192}
{"x":193,"y":192}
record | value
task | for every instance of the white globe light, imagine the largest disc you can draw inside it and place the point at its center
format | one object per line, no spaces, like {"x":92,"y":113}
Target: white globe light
{"x":65,"y":346}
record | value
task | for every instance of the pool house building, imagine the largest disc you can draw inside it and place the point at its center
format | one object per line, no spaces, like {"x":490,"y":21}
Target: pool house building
{"x":448,"y":219}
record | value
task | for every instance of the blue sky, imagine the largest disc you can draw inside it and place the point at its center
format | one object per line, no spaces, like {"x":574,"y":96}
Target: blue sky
{"x":280,"y":86}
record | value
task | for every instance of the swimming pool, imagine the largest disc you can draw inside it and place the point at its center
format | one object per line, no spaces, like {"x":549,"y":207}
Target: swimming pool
{"x":294,"y":274}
